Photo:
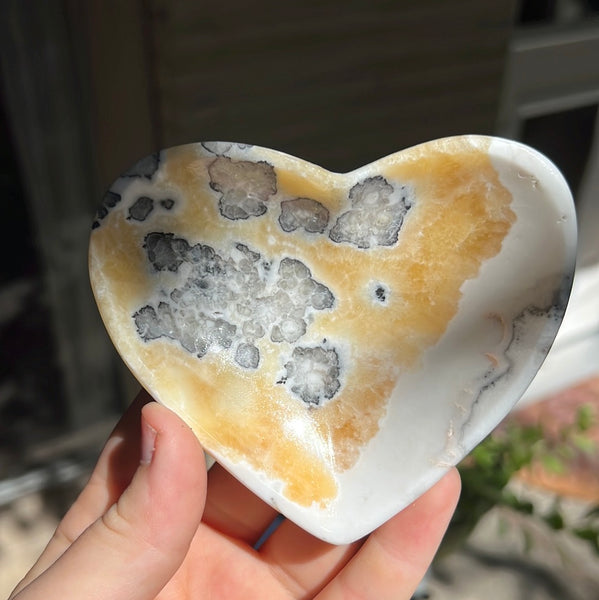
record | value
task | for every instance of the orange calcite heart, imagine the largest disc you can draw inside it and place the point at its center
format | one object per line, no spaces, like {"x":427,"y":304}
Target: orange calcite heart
{"x":336,"y":340}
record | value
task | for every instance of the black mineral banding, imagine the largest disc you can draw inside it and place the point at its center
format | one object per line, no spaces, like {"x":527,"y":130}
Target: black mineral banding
{"x":148,"y":324}
{"x":291,"y":268}
{"x":321,"y":297}
{"x":374,"y":218}
{"x":380,"y":294}
{"x":306,"y":213}
{"x":221,"y":148}
{"x":312,"y":374}
{"x":146,"y":167}
{"x":218,"y":148}
{"x":249,"y":254}
{"x":245,"y":186}
{"x":110,"y":200}
{"x":141,"y":208}
{"x":165,"y":251}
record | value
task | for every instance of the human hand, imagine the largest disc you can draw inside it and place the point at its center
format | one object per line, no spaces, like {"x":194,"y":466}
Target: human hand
{"x":152,"y":524}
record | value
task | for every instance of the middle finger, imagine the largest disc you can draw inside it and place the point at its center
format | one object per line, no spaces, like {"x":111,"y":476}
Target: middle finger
{"x":302,"y":562}
{"x":233,"y":509}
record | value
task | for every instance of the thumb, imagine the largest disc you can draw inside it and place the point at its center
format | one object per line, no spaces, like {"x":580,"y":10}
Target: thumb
{"x":136,"y":547}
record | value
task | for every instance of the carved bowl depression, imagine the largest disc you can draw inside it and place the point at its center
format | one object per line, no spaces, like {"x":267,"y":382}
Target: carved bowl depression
{"x":336,"y":341}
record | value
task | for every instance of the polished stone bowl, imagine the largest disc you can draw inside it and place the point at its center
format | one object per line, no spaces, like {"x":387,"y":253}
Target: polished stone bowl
{"x":336,"y":341}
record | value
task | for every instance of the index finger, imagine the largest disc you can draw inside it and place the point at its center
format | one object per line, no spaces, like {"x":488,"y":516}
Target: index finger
{"x":394,"y":558}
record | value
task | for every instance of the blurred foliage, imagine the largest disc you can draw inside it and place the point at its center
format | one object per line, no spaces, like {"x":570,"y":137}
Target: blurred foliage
{"x":489,"y":468}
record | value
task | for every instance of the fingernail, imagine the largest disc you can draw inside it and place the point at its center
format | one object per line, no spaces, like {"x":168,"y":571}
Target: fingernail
{"x":148,"y":441}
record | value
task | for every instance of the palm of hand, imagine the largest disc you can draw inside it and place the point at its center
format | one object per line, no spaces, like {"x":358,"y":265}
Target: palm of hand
{"x":160,"y":530}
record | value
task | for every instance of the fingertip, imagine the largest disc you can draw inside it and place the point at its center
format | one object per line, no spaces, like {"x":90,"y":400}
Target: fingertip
{"x":141,"y":540}
{"x":440,"y":500}
{"x":395,"y":557}
{"x":173,"y":452}
{"x":449,"y":487}
{"x":425,"y":521}
{"x":163,"y":423}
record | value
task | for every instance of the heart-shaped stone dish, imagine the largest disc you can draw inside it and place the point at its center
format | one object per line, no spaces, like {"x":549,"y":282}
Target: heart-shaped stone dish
{"x":336,"y":341}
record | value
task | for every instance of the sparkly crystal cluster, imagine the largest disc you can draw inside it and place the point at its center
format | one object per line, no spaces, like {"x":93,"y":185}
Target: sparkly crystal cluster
{"x":245,"y":186}
{"x":375,"y":217}
{"x":313,"y":374}
{"x":232,"y":302}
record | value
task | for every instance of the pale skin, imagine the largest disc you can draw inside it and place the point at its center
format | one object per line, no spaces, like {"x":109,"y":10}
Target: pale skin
{"x":151,"y":523}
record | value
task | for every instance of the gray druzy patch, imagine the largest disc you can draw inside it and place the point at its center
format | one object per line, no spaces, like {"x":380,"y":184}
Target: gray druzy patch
{"x":245,"y":186}
{"x":375,"y":217}
{"x":247,"y":356}
{"x":197,"y":333}
{"x":379,"y":292}
{"x":110,"y":200}
{"x":229,"y":301}
{"x":165,"y":251}
{"x":141,"y":208}
{"x":304,"y":213}
{"x":296,"y":279}
{"x":313,"y":374}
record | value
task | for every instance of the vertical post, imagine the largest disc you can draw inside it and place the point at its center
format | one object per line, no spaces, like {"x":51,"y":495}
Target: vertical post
{"x":49,"y":124}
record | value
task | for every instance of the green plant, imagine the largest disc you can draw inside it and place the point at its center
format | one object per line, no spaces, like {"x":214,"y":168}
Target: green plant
{"x":489,"y":468}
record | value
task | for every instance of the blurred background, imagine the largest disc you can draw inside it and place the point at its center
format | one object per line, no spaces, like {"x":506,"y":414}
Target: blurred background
{"x":87,"y":88}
